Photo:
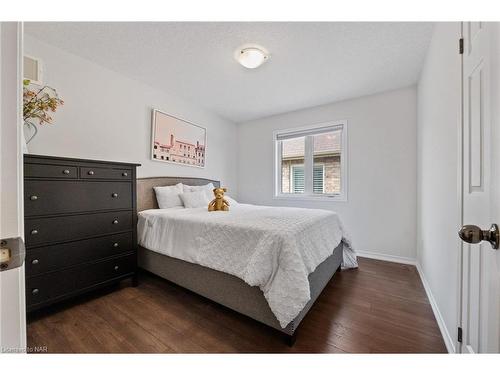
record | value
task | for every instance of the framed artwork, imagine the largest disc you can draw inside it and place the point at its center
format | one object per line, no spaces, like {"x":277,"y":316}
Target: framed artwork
{"x":177,"y":141}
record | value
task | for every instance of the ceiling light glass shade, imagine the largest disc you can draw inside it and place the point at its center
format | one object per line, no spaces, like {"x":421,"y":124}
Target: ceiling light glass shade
{"x":251,"y":57}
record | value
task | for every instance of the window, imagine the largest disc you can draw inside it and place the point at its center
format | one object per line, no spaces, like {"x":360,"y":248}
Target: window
{"x":311,"y":162}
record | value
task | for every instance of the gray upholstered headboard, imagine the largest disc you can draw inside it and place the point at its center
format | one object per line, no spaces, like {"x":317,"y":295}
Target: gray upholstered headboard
{"x":146,"y":198}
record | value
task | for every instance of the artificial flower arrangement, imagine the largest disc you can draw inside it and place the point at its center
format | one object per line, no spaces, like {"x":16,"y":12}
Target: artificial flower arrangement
{"x":38,"y":105}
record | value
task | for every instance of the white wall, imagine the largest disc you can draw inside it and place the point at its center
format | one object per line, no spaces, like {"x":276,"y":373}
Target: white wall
{"x":380,"y":212}
{"x":108,"y":116}
{"x":438,"y":174}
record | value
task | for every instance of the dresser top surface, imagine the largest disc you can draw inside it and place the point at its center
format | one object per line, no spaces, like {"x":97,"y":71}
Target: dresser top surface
{"x":33,"y":157}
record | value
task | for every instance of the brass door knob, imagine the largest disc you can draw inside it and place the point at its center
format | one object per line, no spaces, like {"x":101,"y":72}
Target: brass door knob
{"x":474,"y":234}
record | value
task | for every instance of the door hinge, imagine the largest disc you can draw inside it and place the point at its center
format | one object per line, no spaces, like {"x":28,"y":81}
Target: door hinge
{"x":459,"y":334}
{"x":461,"y":46}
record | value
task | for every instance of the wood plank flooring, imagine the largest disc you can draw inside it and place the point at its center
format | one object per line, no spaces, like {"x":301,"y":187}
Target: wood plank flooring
{"x":379,"y":308}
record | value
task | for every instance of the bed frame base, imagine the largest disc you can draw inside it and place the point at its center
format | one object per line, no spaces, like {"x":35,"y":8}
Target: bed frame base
{"x":233,"y":292}
{"x":290,"y":339}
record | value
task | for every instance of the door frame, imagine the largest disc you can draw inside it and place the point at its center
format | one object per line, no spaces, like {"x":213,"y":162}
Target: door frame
{"x":460,"y":184}
{"x":15,"y":30}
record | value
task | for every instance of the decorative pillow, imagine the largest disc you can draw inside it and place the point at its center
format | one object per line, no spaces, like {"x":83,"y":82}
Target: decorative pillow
{"x":194,"y":199}
{"x":208,"y":189}
{"x":168,"y":196}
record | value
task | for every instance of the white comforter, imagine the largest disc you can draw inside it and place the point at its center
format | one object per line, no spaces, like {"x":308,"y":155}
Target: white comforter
{"x":274,"y":248}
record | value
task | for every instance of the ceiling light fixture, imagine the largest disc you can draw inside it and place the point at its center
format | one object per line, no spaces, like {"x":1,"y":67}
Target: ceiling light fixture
{"x":251,"y":57}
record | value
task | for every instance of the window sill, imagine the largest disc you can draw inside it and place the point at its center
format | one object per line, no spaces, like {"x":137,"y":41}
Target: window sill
{"x":322,"y":198}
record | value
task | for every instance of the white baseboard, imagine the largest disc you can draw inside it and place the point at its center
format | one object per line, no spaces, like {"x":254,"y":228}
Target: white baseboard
{"x":388,"y":258}
{"x":449,"y":342}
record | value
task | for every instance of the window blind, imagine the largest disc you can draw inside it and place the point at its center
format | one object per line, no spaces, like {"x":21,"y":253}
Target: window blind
{"x":298,"y":180}
{"x":318,"y":179}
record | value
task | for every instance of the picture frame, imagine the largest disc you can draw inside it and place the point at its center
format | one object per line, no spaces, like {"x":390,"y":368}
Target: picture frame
{"x":178,"y":141}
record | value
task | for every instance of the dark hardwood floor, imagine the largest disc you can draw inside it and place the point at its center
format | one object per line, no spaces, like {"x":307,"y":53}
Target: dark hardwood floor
{"x":379,"y":308}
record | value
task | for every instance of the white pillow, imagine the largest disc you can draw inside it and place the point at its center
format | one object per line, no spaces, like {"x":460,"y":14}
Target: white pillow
{"x":208,"y":189}
{"x":168,"y":196}
{"x":230,"y":200}
{"x":194,"y":199}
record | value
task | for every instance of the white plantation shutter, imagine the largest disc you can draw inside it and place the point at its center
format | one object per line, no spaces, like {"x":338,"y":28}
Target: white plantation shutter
{"x":318,"y":179}
{"x":298,"y":181}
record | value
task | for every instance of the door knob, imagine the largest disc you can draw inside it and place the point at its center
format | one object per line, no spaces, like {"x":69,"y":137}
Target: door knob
{"x":474,"y":234}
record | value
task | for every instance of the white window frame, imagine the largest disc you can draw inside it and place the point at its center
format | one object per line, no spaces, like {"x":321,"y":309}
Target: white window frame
{"x":308,"y":164}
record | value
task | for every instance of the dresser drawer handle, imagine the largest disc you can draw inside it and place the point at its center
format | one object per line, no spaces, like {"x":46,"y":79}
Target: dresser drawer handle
{"x":114,"y":195}
{"x":116,"y":268}
{"x":91,"y":173}
{"x":35,"y":291}
{"x":34,"y":261}
{"x":66,"y":171}
{"x":115,"y":221}
{"x":34,"y":231}
{"x":115,"y":244}
{"x":124,"y":174}
{"x":33,"y":198}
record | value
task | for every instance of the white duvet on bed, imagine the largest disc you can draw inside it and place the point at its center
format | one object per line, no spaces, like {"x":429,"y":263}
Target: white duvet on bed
{"x":274,"y":248}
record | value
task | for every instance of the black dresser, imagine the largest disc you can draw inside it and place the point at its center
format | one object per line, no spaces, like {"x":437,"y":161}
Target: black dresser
{"x":80,"y":226}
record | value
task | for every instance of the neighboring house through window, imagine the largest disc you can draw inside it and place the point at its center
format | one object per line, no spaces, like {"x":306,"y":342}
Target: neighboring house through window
{"x":311,"y":162}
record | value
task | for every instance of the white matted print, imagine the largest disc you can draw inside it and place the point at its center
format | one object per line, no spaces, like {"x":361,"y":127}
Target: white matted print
{"x":177,"y":141}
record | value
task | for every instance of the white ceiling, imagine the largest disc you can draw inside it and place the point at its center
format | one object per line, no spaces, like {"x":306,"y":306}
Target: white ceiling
{"x":310,"y":64}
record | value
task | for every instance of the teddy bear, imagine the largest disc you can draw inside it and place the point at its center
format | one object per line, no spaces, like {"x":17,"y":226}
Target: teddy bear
{"x":219,"y":203}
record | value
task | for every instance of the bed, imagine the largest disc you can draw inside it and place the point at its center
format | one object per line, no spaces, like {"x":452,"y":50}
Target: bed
{"x":228,"y":282}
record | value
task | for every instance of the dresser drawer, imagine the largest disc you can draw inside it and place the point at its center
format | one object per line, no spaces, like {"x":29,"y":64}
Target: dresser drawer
{"x":46,"y":230}
{"x":54,"y":285}
{"x":63,"y":197}
{"x":53,"y":257}
{"x":50,"y":286}
{"x":50,"y":171}
{"x":105,"y":173}
{"x":106,"y":270}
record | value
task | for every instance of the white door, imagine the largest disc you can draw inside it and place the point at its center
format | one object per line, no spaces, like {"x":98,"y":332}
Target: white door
{"x":12,"y":293}
{"x":480,"y":265}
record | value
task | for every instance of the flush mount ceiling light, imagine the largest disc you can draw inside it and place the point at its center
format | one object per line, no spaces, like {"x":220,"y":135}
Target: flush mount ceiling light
{"x":251,"y":57}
